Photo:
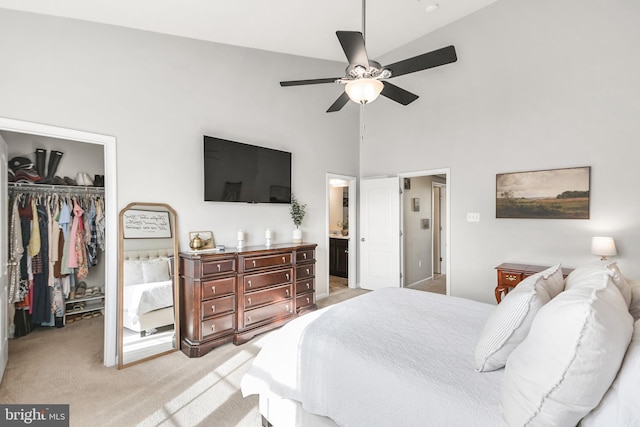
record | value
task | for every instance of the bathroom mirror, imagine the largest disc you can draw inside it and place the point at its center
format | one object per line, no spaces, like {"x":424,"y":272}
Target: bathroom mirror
{"x":148,"y":317}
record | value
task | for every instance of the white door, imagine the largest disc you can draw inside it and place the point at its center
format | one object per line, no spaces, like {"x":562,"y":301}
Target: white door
{"x":4,"y":321}
{"x":380,"y":233}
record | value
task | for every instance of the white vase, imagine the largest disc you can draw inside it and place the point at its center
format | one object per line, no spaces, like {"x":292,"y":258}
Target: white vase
{"x":297,"y":235}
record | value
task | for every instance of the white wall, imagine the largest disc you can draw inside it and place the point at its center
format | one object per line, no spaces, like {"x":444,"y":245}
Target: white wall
{"x":538,"y":85}
{"x":158,"y":95}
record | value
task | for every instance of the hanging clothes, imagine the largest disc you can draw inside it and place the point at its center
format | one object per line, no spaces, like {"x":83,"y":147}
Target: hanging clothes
{"x":42,"y":263}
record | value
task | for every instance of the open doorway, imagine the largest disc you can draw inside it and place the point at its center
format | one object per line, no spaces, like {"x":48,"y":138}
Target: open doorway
{"x":341,"y":231}
{"x":424,"y":231}
{"x":108,"y":147}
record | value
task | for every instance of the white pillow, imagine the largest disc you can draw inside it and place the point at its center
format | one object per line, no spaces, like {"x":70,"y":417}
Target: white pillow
{"x":621,"y":282}
{"x":634,"y":307}
{"x":156,"y":270}
{"x":132,"y":273}
{"x":619,"y":407}
{"x":597,"y":269}
{"x":569,"y":359}
{"x":510,"y":321}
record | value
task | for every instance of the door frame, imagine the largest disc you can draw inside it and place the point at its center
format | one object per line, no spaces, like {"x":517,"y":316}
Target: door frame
{"x":353,"y":227}
{"x":111,"y":216}
{"x":440,"y":186}
{"x":447,"y":173}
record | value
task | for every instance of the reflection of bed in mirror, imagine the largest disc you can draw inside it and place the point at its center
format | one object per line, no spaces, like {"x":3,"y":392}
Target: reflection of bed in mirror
{"x":148,"y":290}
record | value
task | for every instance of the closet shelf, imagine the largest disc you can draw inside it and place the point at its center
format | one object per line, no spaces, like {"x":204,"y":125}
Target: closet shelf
{"x":91,"y":298}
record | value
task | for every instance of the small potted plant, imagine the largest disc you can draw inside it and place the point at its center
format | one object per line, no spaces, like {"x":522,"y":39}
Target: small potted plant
{"x":297,"y":212}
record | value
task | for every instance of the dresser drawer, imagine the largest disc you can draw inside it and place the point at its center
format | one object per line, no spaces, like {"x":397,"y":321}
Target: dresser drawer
{"x":304,"y":271}
{"x":253,"y":263}
{"x":216,"y":306}
{"x":267,"y":296}
{"x":263,"y":280}
{"x":506,"y":278}
{"x":210,"y":267}
{"x":217,"y":325}
{"x":267,"y":313}
{"x":305,"y":286}
{"x":302,"y":256}
{"x":304,"y":300}
{"x":218,"y":287}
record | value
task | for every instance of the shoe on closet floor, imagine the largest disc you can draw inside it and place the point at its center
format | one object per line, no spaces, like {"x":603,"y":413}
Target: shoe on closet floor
{"x":69,"y":181}
{"x":83,"y":178}
{"x":58,"y":181}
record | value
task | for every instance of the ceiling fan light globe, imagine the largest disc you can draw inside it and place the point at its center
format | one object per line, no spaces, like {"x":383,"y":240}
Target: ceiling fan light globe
{"x":363,"y":91}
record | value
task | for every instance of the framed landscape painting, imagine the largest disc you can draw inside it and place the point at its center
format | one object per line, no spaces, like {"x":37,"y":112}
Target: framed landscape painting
{"x":555,"y":193}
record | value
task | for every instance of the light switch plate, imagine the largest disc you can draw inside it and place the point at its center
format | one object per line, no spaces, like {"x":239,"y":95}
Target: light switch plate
{"x":473,"y":217}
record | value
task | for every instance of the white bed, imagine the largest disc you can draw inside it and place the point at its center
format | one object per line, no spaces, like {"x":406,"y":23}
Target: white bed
{"x":148,"y":291}
{"x":387,"y":381}
{"x":399,"y":357}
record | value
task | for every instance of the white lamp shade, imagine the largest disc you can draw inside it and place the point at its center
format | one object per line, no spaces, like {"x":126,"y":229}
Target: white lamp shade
{"x":603,"y":246}
{"x":363,"y":91}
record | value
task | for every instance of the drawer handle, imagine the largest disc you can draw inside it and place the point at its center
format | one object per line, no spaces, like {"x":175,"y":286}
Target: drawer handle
{"x":249,"y":283}
{"x":304,"y":256}
{"x":287,"y":275}
{"x":248,"y":319}
{"x":511,"y":278}
{"x":284,"y":259}
{"x":308,"y":272}
{"x":213,"y":289}
{"x":308,"y":300}
{"x":213,"y":308}
{"x":288,"y":311}
{"x":254,"y":262}
{"x":249,"y":301}
{"x":286,"y":291}
{"x":213,"y":327}
{"x":218,"y":267}
{"x":308,"y":285}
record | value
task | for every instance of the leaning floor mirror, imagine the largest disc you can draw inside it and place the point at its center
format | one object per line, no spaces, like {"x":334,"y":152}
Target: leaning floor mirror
{"x":148,"y":317}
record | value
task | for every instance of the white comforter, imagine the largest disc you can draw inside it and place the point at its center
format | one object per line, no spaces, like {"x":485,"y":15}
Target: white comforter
{"x":146,"y":297}
{"x":392,"y":357}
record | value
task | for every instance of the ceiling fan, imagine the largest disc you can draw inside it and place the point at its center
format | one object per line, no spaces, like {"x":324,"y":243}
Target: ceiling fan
{"x":363,"y":78}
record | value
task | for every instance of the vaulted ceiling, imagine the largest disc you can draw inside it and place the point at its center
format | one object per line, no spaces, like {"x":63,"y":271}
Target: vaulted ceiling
{"x":296,"y":27}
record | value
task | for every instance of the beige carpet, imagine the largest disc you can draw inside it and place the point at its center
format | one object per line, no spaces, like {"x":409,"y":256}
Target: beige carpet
{"x":64,"y":365}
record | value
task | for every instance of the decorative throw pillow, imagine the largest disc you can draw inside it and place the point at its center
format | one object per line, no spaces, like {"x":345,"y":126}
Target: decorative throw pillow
{"x":510,"y":321}
{"x":132,"y":273}
{"x":634,"y":307}
{"x":619,"y":406}
{"x":597,"y":269}
{"x":574,"y":349}
{"x":620,"y":282}
{"x":156,"y":270}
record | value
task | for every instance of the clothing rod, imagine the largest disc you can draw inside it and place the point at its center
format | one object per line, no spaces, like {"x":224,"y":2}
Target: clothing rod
{"x":18,"y":187}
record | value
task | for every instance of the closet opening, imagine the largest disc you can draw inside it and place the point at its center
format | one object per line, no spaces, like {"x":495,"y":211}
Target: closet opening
{"x":79,"y":174}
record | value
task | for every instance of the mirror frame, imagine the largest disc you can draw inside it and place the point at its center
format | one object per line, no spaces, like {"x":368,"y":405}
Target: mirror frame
{"x":176,"y":287}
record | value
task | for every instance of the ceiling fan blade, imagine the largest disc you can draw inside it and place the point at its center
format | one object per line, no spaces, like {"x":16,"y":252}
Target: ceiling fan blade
{"x":353,"y":45}
{"x":309,"y":82}
{"x":340,"y":102}
{"x":398,"y":94}
{"x":443,"y":56}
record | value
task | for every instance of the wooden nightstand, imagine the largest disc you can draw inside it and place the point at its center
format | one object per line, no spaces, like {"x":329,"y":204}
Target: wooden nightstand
{"x":510,"y":274}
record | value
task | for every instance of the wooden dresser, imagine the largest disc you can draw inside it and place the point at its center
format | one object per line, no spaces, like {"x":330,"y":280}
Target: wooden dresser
{"x":235,"y":295}
{"x":510,"y":274}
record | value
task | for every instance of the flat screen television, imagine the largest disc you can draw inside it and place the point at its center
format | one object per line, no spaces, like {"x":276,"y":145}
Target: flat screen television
{"x":238,"y":172}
